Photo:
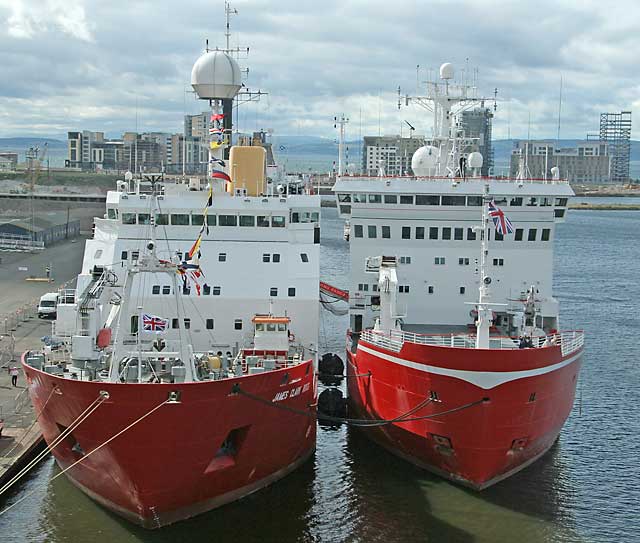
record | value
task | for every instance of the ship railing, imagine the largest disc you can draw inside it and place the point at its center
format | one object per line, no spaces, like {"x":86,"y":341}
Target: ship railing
{"x":569,"y":341}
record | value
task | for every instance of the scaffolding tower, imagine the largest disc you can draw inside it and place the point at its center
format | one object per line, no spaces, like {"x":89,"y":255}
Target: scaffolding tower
{"x":615,"y":129}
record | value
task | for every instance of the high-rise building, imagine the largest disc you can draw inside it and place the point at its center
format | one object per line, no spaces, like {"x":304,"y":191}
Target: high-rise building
{"x":615,"y":130}
{"x":392,"y":154}
{"x":587,"y":162}
{"x":477,"y":123}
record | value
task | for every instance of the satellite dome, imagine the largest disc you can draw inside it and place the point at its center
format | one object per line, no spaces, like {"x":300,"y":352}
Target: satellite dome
{"x":216,"y":75}
{"x":446,"y":71}
{"x":475,"y":160}
{"x":424,"y":160}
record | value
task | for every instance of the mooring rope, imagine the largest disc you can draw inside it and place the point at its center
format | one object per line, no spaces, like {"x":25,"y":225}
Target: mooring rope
{"x":87,"y":455}
{"x":79,"y":420}
{"x":236,"y":389}
{"x":323,"y":374}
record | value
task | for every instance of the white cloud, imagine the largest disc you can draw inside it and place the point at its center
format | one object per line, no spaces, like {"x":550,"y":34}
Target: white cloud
{"x":70,"y":64}
{"x":28,"y":19}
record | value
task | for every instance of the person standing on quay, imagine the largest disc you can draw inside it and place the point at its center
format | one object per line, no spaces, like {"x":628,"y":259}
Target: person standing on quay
{"x":13,"y":371}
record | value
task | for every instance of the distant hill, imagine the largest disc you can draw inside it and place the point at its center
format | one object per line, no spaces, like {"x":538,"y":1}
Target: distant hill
{"x":22,"y":143}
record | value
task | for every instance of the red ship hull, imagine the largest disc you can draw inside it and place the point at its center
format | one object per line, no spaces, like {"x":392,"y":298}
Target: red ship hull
{"x":528,"y":396}
{"x":211,"y":447}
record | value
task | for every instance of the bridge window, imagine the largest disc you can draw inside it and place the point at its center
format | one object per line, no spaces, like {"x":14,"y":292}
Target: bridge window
{"x":439,"y":260}
{"x":546,"y":201}
{"x":546,"y":234}
{"x":406,"y":232}
{"x":144,"y":218}
{"x":359,"y":198}
{"x":463,"y":261}
{"x":386,"y":232}
{"x":533,"y":232}
{"x":406,"y":199}
{"x":273,"y":291}
{"x":155,"y":289}
{"x":446,"y":233}
{"x":209,"y":324}
{"x":166,"y":289}
{"x":162,"y":219}
{"x":262,"y":221}
{"x":458,"y":234}
{"x":498,"y":236}
{"x":124,"y":255}
{"x":357,"y":230}
{"x":471,"y":234}
{"x":390,"y":199}
{"x":111,"y":213}
{"x":427,"y":200}
{"x":275,"y":258}
{"x":558,"y":213}
{"x":344,"y":197}
{"x":375,"y":198}
{"x":291,"y":291}
{"x":562,"y":202}
{"x":532,"y":201}
{"x":304,"y":257}
{"x":197,"y":219}
{"x":516,"y":201}
{"x":228,"y":220}
{"x":462,"y":290}
{"x":128,"y":218}
{"x":247,"y":220}
{"x":180,"y":219}
{"x":175,"y":323}
{"x":419,"y":232}
{"x":278,"y":221}
{"x":474,"y":200}
{"x":372,"y":231}
{"x":453,"y":200}
{"x":433,"y":232}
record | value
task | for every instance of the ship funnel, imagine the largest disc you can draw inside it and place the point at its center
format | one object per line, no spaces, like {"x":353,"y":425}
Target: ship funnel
{"x":216,"y":75}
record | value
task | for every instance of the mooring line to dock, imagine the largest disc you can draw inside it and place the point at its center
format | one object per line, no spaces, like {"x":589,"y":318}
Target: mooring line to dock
{"x":35,"y":420}
{"x":87,"y":455}
{"x":79,"y":420}
{"x":236,"y":389}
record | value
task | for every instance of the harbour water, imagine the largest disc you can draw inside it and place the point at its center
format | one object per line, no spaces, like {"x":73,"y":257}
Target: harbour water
{"x":584,"y":490}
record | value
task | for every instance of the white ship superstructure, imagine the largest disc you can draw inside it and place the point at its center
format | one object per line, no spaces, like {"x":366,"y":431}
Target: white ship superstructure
{"x":261,"y":254}
{"x":432,"y":223}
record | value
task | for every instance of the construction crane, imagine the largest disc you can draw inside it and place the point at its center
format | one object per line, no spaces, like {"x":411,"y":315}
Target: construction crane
{"x":34,"y":160}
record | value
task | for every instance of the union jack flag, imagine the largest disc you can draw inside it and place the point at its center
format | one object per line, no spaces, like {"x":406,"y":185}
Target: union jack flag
{"x":502,"y":224}
{"x":153,"y":323}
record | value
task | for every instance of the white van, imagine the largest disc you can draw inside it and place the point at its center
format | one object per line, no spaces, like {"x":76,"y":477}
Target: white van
{"x":48,"y":305}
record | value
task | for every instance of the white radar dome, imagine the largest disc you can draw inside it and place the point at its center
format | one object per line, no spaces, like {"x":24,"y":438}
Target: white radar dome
{"x":475,"y":160}
{"x":446,"y":71}
{"x":216,"y":75}
{"x":424,"y":160}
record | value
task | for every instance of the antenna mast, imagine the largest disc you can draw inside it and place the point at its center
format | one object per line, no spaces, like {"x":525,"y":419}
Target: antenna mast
{"x":342,"y":121}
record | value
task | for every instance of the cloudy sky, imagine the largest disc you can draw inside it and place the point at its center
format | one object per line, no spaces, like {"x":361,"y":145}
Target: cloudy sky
{"x":99,"y":65}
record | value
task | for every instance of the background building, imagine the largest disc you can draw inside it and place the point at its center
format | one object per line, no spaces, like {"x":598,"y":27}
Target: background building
{"x":477,"y":123}
{"x":587,"y":162}
{"x":46,"y":228}
{"x":8,"y":161}
{"x":392,"y":153}
{"x":615,"y":130}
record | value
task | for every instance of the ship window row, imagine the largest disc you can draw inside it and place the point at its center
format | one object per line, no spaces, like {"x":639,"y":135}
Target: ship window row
{"x":271,"y":257}
{"x":305,"y":216}
{"x":185,"y":219}
{"x":447,"y":233}
{"x":450,"y":200}
{"x":208,"y":290}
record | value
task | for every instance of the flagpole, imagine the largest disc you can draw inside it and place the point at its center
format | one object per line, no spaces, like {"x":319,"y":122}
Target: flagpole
{"x":483,"y":324}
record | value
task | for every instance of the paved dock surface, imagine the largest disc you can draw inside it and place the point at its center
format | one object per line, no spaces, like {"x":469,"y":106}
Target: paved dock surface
{"x":20,"y":434}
